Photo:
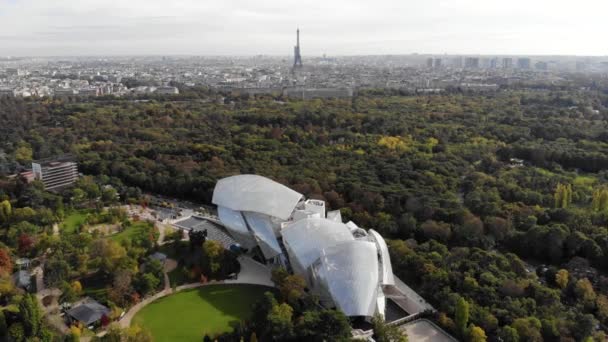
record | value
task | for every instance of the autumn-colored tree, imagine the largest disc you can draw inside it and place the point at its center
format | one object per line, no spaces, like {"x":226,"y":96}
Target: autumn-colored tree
{"x":563,"y":195}
{"x":561,"y":278}
{"x":105,"y":320}
{"x":75,"y":331}
{"x":584,"y":292}
{"x":77,"y":287}
{"x":6,"y":264}
{"x":599,"y":200}
{"x":601,"y":304}
{"x":476,"y":334}
{"x":25,"y":243}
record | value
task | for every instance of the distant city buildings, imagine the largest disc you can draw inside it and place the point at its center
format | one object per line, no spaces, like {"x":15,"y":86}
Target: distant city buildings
{"x":471,"y":63}
{"x":167,"y":90}
{"x":524,"y":63}
{"x":323,"y":76}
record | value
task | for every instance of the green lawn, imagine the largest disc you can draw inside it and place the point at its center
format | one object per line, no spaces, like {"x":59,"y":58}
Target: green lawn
{"x":72,"y":221}
{"x":137,"y":229}
{"x":189,"y":315}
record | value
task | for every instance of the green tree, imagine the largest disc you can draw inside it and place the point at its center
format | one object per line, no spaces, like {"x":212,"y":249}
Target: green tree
{"x":323,"y":325}
{"x":24,"y":153}
{"x":508,"y":334}
{"x":291,"y":286}
{"x":16,"y":332}
{"x":31,"y":315}
{"x":260,"y":312}
{"x":462,"y":315}
{"x":528,"y":329}
{"x":3,"y":327}
{"x":5,"y":211}
{"x":279,"y":319}
{"x":213,"y":251}
{"x":384,"y":332}
{"x":146,"y":283}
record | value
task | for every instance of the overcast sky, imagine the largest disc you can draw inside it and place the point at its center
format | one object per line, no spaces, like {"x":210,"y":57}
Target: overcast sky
{"x":334,"y":27}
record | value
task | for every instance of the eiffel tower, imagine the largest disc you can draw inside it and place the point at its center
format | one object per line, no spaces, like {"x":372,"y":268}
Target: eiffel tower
{"x":297,"y":58}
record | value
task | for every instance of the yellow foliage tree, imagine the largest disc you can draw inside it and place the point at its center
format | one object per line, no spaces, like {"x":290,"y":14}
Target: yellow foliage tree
{"x":476,"y":334}
{"x":561,"y":278}
{"x":600,"y":200}
{"x":394,"y":143}
{"x":563,"y":195}
{"x":74,"y":330}
{"x":77,"y":286}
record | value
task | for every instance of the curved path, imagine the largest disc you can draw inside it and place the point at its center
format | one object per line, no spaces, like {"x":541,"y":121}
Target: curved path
{"x":252,"y":273}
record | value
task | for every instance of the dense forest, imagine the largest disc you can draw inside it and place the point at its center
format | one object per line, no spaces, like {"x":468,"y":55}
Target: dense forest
{"x":496,"y":204}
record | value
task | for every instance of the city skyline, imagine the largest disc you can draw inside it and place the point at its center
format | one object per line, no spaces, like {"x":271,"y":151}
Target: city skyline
{"x":187,"y":27}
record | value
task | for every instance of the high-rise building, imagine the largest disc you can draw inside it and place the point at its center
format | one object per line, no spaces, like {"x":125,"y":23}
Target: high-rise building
{"x":507,"y":63}
{"x":438,"y":63}
{"x":471,"y":63}
{"x":543,"y":66}
{"x":494,"y":63}
{"x":14,"y":72}
{"x":524,"y":63}
{"x":457,"y":62}
{"x":55,"y":174}
{"x":429,"y":63}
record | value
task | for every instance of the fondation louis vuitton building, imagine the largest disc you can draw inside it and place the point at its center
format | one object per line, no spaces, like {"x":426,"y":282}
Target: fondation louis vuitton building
{"x":348,"y":267}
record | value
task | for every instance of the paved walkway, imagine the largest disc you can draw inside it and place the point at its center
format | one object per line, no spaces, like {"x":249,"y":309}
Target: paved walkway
{"x":39,"y":274}
{"x":252,"y":272}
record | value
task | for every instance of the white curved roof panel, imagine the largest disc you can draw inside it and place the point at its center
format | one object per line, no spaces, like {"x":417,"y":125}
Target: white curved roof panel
{"x":306,"y":238}
{"x":236,"y":226}
{"x":350,"y":273}
{"x":233,"y":220}
{"x":386,"y":276}
{"x":261,"y":227}
{"x":256,"y":194}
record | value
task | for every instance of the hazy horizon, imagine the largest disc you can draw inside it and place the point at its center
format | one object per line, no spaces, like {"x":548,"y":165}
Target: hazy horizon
{"x":336,"y":28}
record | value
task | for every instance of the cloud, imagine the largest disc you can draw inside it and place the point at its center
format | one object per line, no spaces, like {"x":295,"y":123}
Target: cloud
{"x":80,"y":27}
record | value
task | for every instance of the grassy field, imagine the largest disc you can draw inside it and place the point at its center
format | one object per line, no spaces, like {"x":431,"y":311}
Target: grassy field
{"x":190,"y":314}
{"x":137,"y":229}
{"x":72,"y":221}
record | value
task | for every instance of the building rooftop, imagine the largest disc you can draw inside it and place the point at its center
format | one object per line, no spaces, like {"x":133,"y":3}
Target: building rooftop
{"x":256,"y":194}
{"x":89,"y":312}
